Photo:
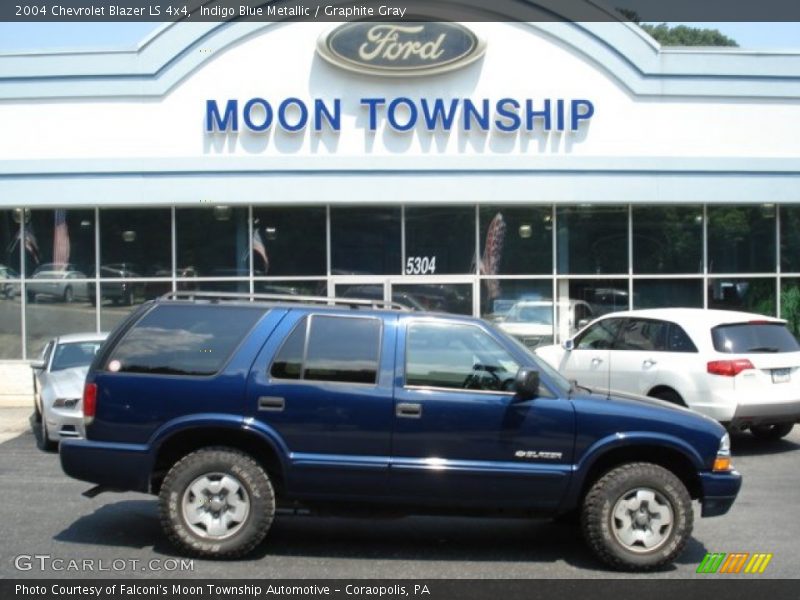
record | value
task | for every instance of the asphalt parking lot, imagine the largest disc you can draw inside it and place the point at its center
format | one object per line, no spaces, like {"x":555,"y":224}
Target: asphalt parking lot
{"x":45,"y":515}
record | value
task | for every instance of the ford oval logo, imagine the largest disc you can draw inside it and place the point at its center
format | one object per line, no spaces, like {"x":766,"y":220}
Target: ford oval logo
{"x":400,"y":49}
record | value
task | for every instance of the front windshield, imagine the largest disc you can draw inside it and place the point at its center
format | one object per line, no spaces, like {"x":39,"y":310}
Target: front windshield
{"x":556,"y":378}
{"x":74,"y":354}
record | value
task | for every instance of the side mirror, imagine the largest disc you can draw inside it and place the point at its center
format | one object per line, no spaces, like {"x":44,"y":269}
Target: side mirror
{"x":37,"y":365}
{"x":568,"y":345}
{"x":526,"y":384}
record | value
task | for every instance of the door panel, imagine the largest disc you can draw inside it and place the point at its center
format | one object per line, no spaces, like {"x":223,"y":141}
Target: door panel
{"x":475,"y":447}
{"x":337,"y":433}
{"x":589,"y":362}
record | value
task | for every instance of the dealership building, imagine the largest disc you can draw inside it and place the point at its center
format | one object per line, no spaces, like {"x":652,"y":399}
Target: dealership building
{"x":480,"y":167}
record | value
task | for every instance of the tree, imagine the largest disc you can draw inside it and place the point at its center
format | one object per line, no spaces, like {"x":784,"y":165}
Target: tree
{"x":681,"y":35}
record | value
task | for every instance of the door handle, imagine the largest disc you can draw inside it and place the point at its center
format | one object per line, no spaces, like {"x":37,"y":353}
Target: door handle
{"x":596,"y":361}
{"x":409,"y":410}
{"x":648,"y":363}
{"x":271,"y":403}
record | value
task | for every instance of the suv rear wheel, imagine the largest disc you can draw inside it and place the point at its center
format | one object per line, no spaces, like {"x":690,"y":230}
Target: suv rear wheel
{"x":772,"y":432}
{"x":217,"y":502}
{"x":637,"y":517}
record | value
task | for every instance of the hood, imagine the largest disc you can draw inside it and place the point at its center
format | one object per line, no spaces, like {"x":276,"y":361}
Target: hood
{"x":624,"y":402}
{"x":68,"y":383}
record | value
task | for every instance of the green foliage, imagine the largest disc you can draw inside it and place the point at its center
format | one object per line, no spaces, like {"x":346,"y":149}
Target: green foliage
{"x":681,"y":35}
{"x":790,"y":307}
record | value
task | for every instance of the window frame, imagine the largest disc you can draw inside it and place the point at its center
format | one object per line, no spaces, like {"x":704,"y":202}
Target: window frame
{"x":414,"y":387}
{"x":112,"y":348}
{"x":308,"y":319}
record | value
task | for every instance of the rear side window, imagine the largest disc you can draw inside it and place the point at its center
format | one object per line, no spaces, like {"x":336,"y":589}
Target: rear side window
{"x":742,"y":338}
{"x":183,"y":340}
{"x":340,"y":349}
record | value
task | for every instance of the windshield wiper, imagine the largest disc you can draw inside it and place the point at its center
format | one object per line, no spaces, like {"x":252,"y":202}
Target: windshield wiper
{"x":763,"y":349}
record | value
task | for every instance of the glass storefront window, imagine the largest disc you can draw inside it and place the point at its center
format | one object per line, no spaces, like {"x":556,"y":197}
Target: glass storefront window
{"x":601,"y":295}
{"x":49,"y":316}
{"x":118,"y":299}
{"x":516,"y":240}
{"x":755,"y":295}
{"x":60,"y":240}
{"x":292,"y":288}
{"x":790,"y":304}
{"x":135,"y":242}
{"x":440,"y":240}
{"x":443,"y":297}
{"x":212,"y":242}
{"x":592,"y":240}
{"x":667,"y":293}
{"x":741,"y":239}
{"x":10,"y":287}
{"x":289,"y":241}
{"x":790,"y":239}
{"x":365,"y":241}
{"x":668,"y":239}
{"x":522,"y":308}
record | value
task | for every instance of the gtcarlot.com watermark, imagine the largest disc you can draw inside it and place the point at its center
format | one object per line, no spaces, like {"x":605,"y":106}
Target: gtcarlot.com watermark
{"x":57,"y":564}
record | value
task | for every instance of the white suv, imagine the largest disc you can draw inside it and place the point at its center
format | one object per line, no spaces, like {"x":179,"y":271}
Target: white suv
{"x":741,"y":369}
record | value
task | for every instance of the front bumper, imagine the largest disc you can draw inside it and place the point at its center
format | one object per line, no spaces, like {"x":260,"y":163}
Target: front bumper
{"x":115,"y":466}
{"x":719,"y":492}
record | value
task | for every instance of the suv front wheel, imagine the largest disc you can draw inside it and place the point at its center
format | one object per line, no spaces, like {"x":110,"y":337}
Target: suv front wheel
{"x":217,"y":503}
{"x":637,"y":517}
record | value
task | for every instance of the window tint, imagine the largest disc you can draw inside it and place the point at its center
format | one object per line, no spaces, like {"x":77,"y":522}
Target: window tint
{"x":679,"y":340}
{"x":599,"y":336}
{"x":753,"y":337}
{"x":457,"y":356}
{"x":343,"y":349}
{"x":288,"y":362}
{"x":642,"y":334}
{"x":76,"y":354}
{"x":183,"y":339}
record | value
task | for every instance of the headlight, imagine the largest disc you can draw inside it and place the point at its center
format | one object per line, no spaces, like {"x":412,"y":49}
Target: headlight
{"x":723,"y":460}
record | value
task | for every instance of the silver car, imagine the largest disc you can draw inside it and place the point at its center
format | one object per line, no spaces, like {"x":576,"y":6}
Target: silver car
{"x":61,"y":282}
{"x":58,"y":385}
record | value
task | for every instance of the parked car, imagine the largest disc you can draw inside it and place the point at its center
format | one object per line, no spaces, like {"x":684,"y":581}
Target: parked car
{"x":122,"y":292}
{"x":741,"y":369}
{"x":61,"y":282}
{"x":229,"y":409}
{"x":9,"y":282}
{"x":531,"y":321}
{"x":58,"y":385}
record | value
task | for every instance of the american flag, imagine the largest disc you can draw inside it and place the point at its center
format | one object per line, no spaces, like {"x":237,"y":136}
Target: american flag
{"x":30,"y":244}
{"x":60,"y":238}
{"x":493,"y":252}
{"x":260,"y":248}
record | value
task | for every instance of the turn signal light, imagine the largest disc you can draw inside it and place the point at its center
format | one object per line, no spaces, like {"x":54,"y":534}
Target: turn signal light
{"x":89,"y":401}
{"x":722,"y":463}
{"x":729,"y":368}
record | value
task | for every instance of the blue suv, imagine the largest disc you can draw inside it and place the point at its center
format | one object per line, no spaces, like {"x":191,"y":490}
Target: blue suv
{"x":228,"y":408}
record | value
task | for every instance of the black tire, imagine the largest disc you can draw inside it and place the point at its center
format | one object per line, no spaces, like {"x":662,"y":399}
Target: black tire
{"x":208,"y":464}
{"x":771,"y":432}
{"x":43,"y":441}
{"x":670,"y":396}
{"x":623,"y":485}
{"x":68,"y":295}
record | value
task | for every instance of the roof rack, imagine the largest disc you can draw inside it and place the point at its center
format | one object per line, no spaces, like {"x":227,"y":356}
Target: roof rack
{"x":351,"y":302}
